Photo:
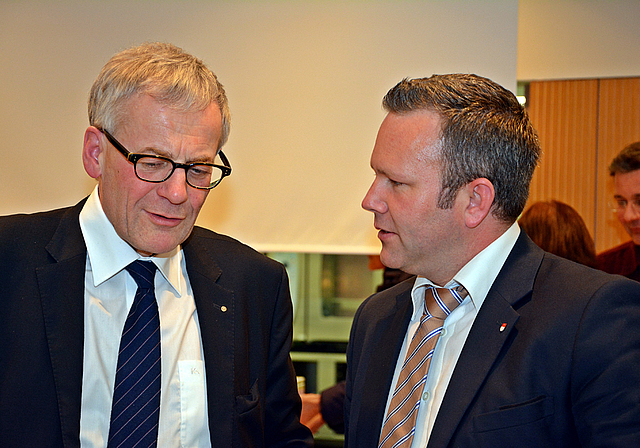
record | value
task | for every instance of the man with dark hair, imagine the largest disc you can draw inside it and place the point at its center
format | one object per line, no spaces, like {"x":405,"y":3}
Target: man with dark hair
{"x":625,"y":170}
{"x":122,"y":324}
{"x":496,"y":342}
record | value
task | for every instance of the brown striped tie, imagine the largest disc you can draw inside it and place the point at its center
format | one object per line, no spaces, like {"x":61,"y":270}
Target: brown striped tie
{"x":400,"y":422}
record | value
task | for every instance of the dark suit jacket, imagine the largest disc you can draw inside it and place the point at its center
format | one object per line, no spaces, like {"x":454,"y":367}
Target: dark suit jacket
{"x":252,"y":396}
{"x":564,"y":373}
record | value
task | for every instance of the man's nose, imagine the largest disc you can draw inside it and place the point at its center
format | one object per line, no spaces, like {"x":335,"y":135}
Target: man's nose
{"x":372,"y":201}
{"x":631,"y":212}
{"x":175,"y":189}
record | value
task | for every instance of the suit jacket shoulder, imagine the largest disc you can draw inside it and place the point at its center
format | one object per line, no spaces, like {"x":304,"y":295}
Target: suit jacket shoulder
{"x":22,"y":236}
{"x":244,"y":312}
{"x":225,"y":251}
{"x":553,"y":342}
{"x":547,"y":379}
{"x":42,"y":259}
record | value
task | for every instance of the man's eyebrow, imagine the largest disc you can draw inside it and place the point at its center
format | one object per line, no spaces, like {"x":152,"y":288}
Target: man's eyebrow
{"x":155,"y":151}
{"x":152,"y":150}
{"x":377,"y":170}
{"x":634,"y":197}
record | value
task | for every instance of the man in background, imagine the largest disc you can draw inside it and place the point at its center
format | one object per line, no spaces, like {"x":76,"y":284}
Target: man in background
{"x":121,"y":323}
{"x":496,"y":342}
{"x":625,"y":170}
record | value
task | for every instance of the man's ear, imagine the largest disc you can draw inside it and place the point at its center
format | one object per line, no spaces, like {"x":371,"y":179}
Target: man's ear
{"x":91,"y":151}
{"x":481,"y":195}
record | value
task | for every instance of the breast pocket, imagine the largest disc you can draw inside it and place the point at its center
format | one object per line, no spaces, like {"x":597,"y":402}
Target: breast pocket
{"x":522,"y":422}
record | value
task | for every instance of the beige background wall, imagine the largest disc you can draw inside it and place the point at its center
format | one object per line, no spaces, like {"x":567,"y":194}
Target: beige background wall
{"x":305,"y":80}
{"x":567,"y":39}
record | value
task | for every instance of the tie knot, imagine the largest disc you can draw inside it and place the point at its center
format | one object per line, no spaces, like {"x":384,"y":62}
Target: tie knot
{"x":143,"y":273}
{"x":442,"y":301}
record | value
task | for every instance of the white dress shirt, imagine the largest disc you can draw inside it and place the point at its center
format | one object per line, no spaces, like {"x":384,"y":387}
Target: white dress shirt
{"x":476,"y":276}
{"x":109,"y":293}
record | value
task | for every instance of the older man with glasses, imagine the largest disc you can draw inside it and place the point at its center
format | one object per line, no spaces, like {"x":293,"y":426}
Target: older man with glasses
{"x":123,"y":324}
{"x":625,"y":170}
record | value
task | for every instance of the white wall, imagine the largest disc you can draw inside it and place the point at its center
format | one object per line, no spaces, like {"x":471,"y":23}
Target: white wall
{"x":305,"y":81}
{"x":568,"y":39}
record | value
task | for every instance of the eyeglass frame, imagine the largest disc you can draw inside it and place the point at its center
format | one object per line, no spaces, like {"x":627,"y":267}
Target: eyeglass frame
{"x":633,"y":203}
{"x":134,"y":157}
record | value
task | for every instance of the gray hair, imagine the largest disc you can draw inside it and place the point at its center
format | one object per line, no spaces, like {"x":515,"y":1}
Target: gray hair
{"x":163,"y":71}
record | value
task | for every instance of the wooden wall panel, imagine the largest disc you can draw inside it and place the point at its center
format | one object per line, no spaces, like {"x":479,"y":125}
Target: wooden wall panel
{"x":619,"y":125}
{"x":582,"y":125}
{"x":565,"y":115}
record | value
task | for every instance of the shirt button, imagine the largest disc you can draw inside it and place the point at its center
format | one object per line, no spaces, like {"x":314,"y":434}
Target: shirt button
{"x":425,"y":395}
{"x":443,"y":332}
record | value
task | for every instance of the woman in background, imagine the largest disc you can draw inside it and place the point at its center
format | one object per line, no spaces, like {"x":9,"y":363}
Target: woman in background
{"x":557,"y":228}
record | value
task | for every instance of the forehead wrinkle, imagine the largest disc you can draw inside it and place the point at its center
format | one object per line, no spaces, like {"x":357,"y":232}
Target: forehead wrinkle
{"x":168,"y":153}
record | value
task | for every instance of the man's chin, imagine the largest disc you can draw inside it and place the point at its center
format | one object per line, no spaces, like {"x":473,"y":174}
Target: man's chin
{"x":157,"y":246}
{"x":388,"y":259}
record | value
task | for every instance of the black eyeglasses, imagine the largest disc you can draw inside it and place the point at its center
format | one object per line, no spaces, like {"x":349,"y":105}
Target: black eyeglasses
{"x":152,"y":168}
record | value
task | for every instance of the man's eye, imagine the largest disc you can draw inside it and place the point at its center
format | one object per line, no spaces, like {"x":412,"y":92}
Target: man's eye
{"x":150,"y":164}
{"x":201,"y":170}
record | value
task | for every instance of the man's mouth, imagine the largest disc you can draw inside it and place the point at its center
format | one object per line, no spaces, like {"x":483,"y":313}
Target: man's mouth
{"x":384,"y":234}
{"x":166,"y":219}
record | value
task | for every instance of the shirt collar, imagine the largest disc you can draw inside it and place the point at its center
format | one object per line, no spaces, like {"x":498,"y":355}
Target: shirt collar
{"x":478,"y":275}
{"x":109,"y":254}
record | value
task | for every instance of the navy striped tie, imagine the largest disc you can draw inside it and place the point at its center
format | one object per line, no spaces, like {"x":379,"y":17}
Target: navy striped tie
{"x":400,"y":422}
{"x":136,"y":398}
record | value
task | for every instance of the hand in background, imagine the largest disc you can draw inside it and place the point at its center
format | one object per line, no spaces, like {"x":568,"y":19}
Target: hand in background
{"x":311,"y":414}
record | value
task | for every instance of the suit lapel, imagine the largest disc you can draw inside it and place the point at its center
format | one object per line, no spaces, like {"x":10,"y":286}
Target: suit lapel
{"x":380,"y":373}
{"x":215,"y":307}
{"x":62,"y":296}
{"x":486,"y":339}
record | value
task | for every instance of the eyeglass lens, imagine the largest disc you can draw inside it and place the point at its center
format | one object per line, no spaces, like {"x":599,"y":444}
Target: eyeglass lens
{"x":155,"y":169}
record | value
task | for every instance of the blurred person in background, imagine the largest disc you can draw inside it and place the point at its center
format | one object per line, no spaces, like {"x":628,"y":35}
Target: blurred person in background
{"x":625,"y":170}
{"x":558,"y":228}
